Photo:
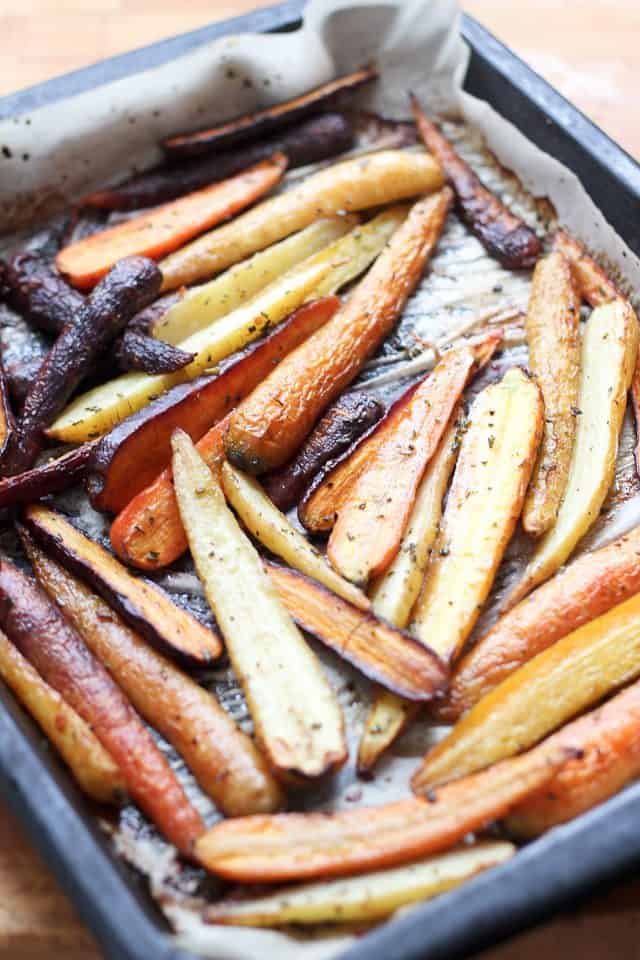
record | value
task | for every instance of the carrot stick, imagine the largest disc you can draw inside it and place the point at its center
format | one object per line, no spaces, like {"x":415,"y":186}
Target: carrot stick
{"x":272,"y":423}
{"x":142,"y":604}
{"x":505,"y":236}
{"x":223,"y":759}
{"x":597,"y":287}
{"x":299,"y":846}
{"x":91,"y":765}
{"x":589,"y":587}
{"x":370,"y":523}
{"x":606,"y":743}
{"x":42,"y":634}
{"x":160,"y":231}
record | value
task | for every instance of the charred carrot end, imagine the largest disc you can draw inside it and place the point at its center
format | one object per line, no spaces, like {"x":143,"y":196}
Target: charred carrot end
{"x":298,"y":846}
{"x":159,"y":232}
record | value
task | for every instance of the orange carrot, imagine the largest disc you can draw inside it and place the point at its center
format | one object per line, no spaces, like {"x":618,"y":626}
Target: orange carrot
{"x":370,"y":523}
{"x":269,"y":426}
{"x":148,"y":533}
{"x":330,"y":490}
{"x":299,"y":846}
{"x":587,"y":588}
{"x":607,"y":756}
{"x":166,"y":228}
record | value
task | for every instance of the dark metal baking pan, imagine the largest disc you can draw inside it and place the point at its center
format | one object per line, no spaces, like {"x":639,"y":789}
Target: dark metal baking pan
{"x":550,"y":873}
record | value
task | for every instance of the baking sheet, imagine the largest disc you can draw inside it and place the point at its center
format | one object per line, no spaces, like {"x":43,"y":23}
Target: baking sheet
{"x":76,"y":145}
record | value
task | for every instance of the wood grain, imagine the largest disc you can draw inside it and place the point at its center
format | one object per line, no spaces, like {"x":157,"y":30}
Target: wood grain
{"x":589,"y":52}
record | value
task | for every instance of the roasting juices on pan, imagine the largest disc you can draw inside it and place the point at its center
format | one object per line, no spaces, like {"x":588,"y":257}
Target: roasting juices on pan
{"x":290,"y":519}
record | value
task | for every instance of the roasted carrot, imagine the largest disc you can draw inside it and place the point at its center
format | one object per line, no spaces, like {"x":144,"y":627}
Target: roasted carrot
{"x":225,"y":761}
{"x":41,"y":633}
{"x":295,"y":711}
{"x":92,"y":767}
{"x":373,"y":517}
{"x":343,"y":424}
{"x":270,"y":425}
{"x":127,"y":288}
{"x":355,"y":184}
{"x":253,"y":126}
{"x":381,"y":652}
{"x":394,"y":595}
{"x":597,"y":287}
{"x":299,"y":846}
{"x":505,"y":236}
{"x":607,"y":756}
{"x":323,"y":498}
{"x":494,"y":465}
{"x":365,"y":899}
{"x":143,"y":605}
{"x":591,"y":585}
{"x":609,"y":354}
{"x":311,"y":141}
{"x":561,"y":682}
{"x":132,"y":455}
{"x":160,"y":231}
{"x":553,"y":338}
{"x":321,"y":503}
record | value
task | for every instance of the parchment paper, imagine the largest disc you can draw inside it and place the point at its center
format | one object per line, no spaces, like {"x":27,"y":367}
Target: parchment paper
{"x":60,"y":151}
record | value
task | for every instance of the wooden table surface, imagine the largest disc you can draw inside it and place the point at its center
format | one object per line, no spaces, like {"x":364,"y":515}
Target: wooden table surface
{"x":589,"y":52}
